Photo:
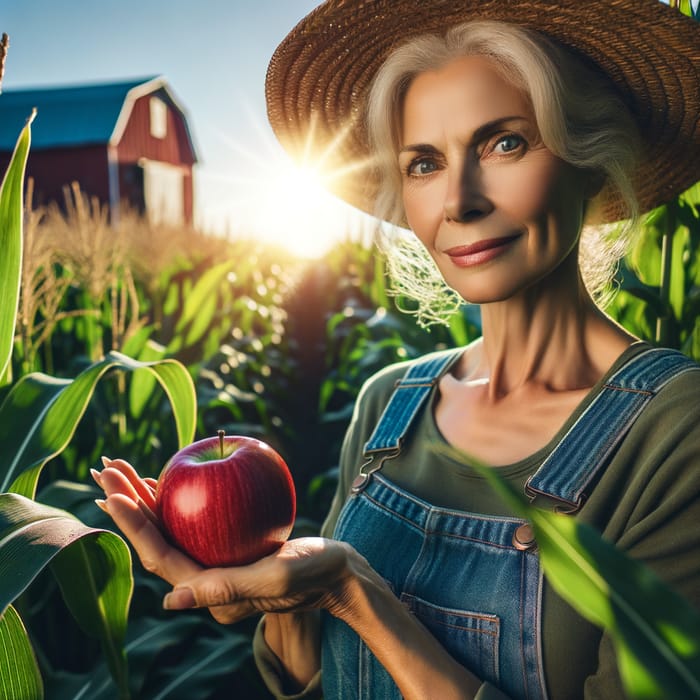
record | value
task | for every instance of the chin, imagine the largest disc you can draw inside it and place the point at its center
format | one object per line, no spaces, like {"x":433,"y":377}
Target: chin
{"x":490,"y":292}
{"x":495,"y":285}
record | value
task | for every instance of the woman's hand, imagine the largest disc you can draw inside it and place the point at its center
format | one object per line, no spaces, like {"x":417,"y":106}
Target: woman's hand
{"x":279,"y":582}
{"x":304,"y":574}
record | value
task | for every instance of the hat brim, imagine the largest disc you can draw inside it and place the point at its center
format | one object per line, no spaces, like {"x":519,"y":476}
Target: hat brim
{"x":319,"y":77}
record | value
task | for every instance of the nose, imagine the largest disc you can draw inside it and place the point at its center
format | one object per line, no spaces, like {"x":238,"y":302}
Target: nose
{"x":465,"y":200}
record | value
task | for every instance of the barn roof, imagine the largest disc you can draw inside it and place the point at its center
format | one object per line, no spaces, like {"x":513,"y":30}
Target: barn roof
{"x":76,"y":115}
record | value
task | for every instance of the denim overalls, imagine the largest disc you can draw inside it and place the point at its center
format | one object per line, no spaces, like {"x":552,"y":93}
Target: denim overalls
{"x":473,"y":580}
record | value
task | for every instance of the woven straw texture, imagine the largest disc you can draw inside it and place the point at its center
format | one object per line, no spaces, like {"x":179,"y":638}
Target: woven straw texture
{"x":319,"y":76}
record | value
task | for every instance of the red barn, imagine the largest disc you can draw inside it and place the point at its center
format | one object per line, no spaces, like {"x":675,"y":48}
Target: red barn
{"x":122,"y":142}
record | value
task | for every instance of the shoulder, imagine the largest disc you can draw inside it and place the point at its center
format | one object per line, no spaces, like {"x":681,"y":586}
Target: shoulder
{"x":371,"y":402}
{"x":672,"y":417}
{"x":376,"y":393}
{"x":680,"y":394}
{"x":662,"y":449}
{"x":378,"y":389}
{"x":670,"y":378}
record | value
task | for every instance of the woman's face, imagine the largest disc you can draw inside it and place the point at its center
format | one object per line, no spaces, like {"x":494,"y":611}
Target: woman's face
{"x":494,"y":207}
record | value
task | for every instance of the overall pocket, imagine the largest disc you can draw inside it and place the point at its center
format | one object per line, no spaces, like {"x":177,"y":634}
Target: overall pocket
{"x":471,"y":638}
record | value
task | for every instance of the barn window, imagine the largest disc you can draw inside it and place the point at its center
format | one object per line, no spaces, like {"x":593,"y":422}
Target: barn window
{"x":159,"y":118}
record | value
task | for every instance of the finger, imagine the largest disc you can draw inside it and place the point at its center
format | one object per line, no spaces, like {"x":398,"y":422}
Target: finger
{"x":215,"y":589}
{"x":102,"y":505}
{"x":113,"y":481}
{"x":153,"y":550}
{"x":145,"y":490}
{"x":96,"y":476}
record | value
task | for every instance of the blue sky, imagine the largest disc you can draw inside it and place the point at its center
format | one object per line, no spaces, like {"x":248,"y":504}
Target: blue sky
{"x":214,"y":54}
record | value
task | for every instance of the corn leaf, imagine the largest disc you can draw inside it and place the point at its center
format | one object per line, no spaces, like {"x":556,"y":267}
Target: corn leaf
{"x":147,"y":639}
{"x":678,"y":282}
{"x":40,"y":415}
{"x":11,"y":244}
{"x":200,"y":305}
{"x":92,"y":567}
{"x":95,"y":580}
{"x":142,"y":383}
{"x":19,"y":673}
{"x":655,"y":631}
{"x":686,"y":7}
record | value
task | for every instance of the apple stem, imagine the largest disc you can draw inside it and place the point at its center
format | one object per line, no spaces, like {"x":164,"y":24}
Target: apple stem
{"x":221,"y":434}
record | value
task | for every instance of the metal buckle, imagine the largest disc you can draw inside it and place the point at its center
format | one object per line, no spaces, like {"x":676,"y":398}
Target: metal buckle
{"x":367,"y":469}
{"x":548,"y":501}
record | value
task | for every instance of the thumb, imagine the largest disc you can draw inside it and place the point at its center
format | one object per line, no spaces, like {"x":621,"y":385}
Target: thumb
{"x":208,"y":593}
{"x":211,"y":587}
{"x":180,"y":598}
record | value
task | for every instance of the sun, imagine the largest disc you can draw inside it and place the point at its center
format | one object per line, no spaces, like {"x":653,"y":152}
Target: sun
{"x":291,"y":208}
{"x":286,"y":205}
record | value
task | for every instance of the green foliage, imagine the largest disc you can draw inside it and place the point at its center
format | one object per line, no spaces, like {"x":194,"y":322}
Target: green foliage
{"x":686,"y":7}
{"x":659,"y":296}
{"x":92,"y":567}
{"x":23,"y":682}
{"x":11,"y":246}
{"x":179,"y":658}
{"x":40,"y":415}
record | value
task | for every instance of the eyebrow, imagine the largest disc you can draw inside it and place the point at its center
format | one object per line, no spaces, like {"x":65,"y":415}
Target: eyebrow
{"x":418,"y":148}
{"x":479,"y":134}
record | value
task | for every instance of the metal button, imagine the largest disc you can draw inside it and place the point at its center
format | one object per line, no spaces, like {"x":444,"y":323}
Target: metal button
{"x":524,"y":537}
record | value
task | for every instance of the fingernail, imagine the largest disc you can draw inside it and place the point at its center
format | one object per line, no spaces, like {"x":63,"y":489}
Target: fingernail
{"x":179,"y":599}
{"x":102,"y":505}
{"x":96,"y":476}
{"x":106,"y":461}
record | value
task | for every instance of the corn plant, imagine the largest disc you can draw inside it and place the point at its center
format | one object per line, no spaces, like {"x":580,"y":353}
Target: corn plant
{"x":89,"y":566}
{"x":659,"y":295}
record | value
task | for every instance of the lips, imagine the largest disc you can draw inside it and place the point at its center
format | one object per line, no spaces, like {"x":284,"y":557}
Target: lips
{"x":488,"y":243}
{"x":480,"y":252}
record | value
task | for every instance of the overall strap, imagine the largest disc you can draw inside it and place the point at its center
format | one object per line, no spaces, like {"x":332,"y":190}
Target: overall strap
{"x":408,"y":397}
{"x":585,"y":449}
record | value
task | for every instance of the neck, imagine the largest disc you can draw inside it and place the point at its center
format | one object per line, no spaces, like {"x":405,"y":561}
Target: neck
{"x":551,"y":335}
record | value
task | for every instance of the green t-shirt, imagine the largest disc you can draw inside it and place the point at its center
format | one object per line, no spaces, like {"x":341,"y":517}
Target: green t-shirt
{"x":647,"y":502}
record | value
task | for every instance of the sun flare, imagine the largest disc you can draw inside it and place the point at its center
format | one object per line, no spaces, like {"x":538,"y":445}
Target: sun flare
{"x":284,"y":204}
{"x":292,"y":208}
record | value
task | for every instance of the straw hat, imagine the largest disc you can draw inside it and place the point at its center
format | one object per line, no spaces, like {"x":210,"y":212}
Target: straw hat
{"x":319,"y":76}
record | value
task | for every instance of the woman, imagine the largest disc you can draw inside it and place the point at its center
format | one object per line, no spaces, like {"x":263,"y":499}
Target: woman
{"x":496,"y":145}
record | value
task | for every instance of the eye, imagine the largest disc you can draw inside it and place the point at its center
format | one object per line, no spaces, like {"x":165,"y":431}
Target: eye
{"x":421,"y":166}
{"x":508,"y":144}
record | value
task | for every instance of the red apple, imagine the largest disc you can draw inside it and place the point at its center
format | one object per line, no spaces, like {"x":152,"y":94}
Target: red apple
{"x":226,"y":500}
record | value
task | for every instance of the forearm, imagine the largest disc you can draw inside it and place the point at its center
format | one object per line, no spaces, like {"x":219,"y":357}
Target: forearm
{"x":295,"y":639}
{"x":419,"y":665}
